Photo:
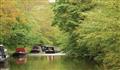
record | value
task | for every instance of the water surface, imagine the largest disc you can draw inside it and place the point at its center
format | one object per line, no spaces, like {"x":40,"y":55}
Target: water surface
{"x":49,"y":63}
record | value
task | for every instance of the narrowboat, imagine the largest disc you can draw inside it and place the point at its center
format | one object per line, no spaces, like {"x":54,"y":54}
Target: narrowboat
{"x":20,"y":52}
{"x":3,"y":55}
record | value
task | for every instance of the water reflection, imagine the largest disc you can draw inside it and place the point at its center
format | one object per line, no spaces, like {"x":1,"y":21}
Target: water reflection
{"x":50,"y":58}
{"x":21,"y":60}
{"x":4,"y":65}
{"x":49,"y":63}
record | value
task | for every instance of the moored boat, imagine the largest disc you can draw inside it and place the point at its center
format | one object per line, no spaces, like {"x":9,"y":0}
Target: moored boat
{"x":3,"y":55}
{"x":20,"y":52}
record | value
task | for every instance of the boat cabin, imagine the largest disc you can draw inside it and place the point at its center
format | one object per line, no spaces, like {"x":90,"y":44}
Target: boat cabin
{"x":49,"y":50}
{"x":43,"y":49}
{"x":36,"y":49}
{"x":20,"y":50}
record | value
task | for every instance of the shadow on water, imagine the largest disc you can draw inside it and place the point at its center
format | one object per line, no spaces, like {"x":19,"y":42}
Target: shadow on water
{"x":49,"y":63}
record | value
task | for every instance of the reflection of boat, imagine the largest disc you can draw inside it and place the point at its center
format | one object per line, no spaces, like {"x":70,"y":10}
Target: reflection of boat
{"x":21,"y":60}
{"x":20,"y":52}
{"x":3,"y":55}
{"x":4,"y":66}
{"x":50,"y":58}
{"x":43,"y":54}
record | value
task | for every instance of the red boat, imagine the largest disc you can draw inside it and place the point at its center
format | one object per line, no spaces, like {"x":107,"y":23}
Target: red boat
{"x":20,"y":52}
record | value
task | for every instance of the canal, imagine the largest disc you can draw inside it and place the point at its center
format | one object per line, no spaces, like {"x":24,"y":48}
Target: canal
{"x":46,"y":63}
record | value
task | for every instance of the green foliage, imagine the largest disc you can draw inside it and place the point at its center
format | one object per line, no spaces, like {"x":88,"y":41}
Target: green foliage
{"x":18,"y":35}
{"x":26,"y":23}
{"x":97,"y":37}
{"x":15,"y":26}
{"x":67,"y":16}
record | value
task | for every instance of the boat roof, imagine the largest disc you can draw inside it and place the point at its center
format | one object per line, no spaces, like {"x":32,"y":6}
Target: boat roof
{"x":1,"y":45}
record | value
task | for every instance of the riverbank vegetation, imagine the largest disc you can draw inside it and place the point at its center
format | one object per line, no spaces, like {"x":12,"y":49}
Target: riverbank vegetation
{"x":93,"y":29}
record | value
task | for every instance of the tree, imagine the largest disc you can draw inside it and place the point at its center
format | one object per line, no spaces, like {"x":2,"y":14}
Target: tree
{"x":96,"y":36}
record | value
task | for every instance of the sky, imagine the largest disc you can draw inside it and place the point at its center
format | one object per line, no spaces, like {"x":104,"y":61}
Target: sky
{"x":51,"y":1}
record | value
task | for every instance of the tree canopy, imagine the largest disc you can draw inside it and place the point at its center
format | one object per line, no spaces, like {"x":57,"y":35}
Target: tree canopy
{"x":93,"y":29}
